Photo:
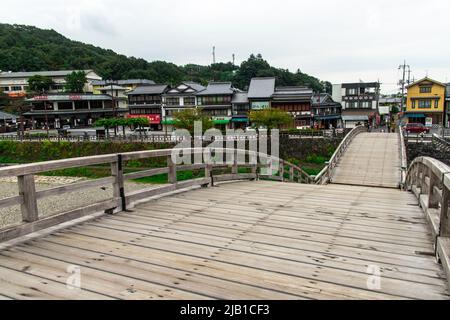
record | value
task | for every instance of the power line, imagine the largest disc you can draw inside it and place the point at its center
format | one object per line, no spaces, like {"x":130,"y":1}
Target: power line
{"x":402,"y":81}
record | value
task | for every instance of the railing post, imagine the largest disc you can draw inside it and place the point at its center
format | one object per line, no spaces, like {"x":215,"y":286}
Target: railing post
{"x":281,"y":164}
{"x":291,"y":174}
{"x":444,"y":223}
{"x":27,"y":189}
{"x":172,"y":176}
{"x":234,"y":168}
{"x":433,"y":201}
{"x":118,"y":184}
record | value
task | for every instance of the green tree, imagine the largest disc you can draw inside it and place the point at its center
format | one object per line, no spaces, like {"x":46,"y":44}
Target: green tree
{"x":106,"y":123}
{"x":38,"y":83}
{"x":186,"y":119}
{"x":75,"y":82}
{"x":270,"y":118}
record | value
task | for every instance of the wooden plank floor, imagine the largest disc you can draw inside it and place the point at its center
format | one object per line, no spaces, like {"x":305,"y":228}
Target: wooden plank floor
{"x":372,"y":159}
{"x":245,"y":240}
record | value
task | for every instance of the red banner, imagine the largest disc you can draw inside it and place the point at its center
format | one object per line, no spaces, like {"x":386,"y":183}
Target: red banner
{"x":152,"y":118}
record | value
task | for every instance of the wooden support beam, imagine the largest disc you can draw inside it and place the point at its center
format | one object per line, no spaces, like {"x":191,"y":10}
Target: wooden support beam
{"x":172,"y":176}
{"x":27,"y":190}
{"x":118,"y":182}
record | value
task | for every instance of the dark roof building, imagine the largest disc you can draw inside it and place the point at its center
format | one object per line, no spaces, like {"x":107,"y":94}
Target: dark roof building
{"x":146,"y":102}
{"x":76,"y":110}
{"x":325,"y":111}
{"x":295,"y":100}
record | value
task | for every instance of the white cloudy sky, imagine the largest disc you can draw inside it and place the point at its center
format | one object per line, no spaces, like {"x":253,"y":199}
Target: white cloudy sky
{"x":338,"y":41}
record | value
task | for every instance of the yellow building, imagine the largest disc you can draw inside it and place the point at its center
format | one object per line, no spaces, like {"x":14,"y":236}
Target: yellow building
{"x":425,"y":101}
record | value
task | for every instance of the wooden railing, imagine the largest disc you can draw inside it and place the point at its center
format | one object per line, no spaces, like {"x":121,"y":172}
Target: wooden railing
{"x":28,"y":196}
{"x":429,"y":180}
{"x":326,"y":174}
{"x":403,"y":158}
{"x":441,"y":143}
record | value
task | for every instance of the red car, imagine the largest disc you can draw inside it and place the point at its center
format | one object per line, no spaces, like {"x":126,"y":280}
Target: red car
{"x":416,"y":128}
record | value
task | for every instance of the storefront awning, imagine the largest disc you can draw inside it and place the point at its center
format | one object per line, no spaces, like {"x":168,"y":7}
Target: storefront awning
{"x":168,"y":121}
{"x":239,"y":119}
{"x":223,"y":121}
{"x":415,"y":115}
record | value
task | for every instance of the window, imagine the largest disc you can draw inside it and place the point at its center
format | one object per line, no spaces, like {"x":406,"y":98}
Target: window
{"x":189,"y":101}
{"x":96,"y":104}
{"x":16,"y":88}
{"x":424,"y":104}
{"x":436,"y":104}
{"x":351,"y":92}
{"x":173,"y":101}
{"x":413,"y":104}
{"x":81,"y":105}
{"x":4,"y":89}
{"x":65,"y":106}
{"x":426,"y":89}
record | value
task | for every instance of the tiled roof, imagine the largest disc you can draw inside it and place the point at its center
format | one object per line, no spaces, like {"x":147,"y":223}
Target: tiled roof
{"x":261,"y":88}
{"x":216,"y":88}
{"x":150,"y":89}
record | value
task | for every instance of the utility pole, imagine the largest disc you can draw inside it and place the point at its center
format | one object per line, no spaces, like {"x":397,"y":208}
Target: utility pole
{"x":233,"y":58}
{"x":214,"y":54}
{"x":402,"y":82}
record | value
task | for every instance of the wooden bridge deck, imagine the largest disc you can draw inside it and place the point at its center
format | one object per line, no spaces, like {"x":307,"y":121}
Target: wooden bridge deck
{"x":246,"y":240}
{"x":372,"y":159}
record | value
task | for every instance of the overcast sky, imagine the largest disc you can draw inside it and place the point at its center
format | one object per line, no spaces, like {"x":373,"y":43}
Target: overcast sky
{"x":338,"y":41}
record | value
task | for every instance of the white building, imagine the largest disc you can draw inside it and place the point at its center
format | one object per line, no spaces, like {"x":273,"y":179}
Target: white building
{"x":15,"y":84}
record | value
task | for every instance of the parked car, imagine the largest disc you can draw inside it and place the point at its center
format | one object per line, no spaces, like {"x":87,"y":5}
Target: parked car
{"x":141,"y":131}
{"x":416,"y":128}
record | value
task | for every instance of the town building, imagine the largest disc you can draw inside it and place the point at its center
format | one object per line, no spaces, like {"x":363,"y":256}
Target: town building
{"x":8,"y":122}
{"x":216,"y":102}
{"x":146,"y":102}
{"x":388,"y":106}
{"x":260,"y":92}
{"x":241,"y":109}
{"x":325,"y":111}
{"x":15,"y":84}
{"x":360,"y":102}
{"x":425,"y":102}
{"x":128,"y":84}
{"x":74,"y":110}
{"x":179,"y":98}
{"x":295,"y":100}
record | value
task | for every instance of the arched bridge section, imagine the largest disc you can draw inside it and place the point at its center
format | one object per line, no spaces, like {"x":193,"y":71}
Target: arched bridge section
{"x":371,"y":159}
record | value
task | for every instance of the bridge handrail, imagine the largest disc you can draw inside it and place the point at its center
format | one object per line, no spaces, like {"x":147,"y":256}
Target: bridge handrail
{"x":27,"y":199}
{"x":429,"y":180}
{"x":441,"y":143}
{"x":403,"y":158}
{"x":325,"y":175}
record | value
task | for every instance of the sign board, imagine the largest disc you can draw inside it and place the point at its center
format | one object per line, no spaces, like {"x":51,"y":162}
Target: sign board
{"x":259,"y":105}
{"x":428,"y":122}
{"x":152,"y":118}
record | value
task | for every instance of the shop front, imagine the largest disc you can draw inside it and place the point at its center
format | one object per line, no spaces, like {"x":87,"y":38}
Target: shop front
{"x":153,"y":119}
{"x":240,"y":122}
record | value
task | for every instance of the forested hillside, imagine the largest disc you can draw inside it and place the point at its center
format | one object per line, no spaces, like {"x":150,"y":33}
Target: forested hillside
{"x":27,"y":48}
